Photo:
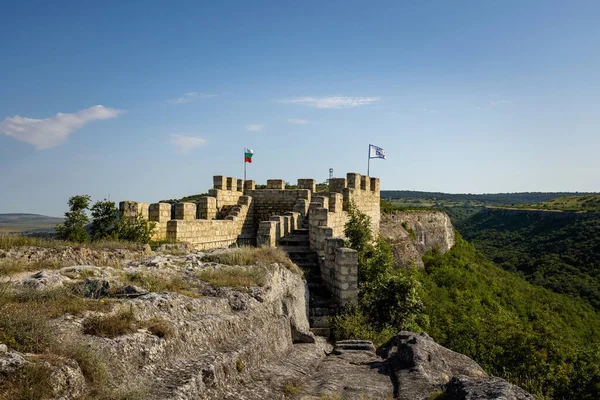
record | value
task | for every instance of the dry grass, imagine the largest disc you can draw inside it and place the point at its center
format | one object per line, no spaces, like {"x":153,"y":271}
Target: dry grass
{"x":160,"y":283}
{"x":291,"y":389}
{"x":111,"y":326}
{"x":331,"y":396}
{"x":160,"y":327}
{"x":25,"y":315}
{"x":31,"y":382}
{"x":11,"y":267}
{"x":234,"y":277}
{"x":8,"y":241}
{"x":254,"y":256}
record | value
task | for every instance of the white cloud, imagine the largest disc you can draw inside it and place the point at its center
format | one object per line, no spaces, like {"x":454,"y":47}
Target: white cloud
{"x":50,"y":132}
{"x":254,"y":127}
{"x":185,"y":144}
{"x":499,"y":102}
{"x":297,"y":121}
{"x":332,"y":102}
{"x":190,"y":97}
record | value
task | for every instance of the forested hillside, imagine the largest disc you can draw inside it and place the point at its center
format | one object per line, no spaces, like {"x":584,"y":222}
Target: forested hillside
{"x":546,"y":342}
{"x":557,"y":250}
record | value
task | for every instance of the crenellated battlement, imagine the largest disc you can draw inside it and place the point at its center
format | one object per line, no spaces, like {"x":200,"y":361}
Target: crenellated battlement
{"x":237,"y":209}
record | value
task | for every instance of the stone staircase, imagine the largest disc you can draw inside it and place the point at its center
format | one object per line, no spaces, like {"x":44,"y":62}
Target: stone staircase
{"x":321,"y":305}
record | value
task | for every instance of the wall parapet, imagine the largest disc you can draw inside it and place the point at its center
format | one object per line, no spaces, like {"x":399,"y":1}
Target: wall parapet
{"x":339,"y":270}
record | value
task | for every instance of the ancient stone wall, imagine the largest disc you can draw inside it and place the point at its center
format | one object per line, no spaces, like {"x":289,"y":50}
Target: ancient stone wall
{"x":339,"y":271}
{"x":160,"y":213}
{"x":270,"y":202}
{"x":238,"y":209}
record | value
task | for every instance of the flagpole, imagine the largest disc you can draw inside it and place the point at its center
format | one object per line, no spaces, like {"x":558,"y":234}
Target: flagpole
{"x":369,"y":161}
{"x":244,"y":164}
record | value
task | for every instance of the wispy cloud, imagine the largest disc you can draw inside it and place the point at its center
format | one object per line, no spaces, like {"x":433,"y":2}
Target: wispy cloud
{"x":297,"y":121}
{"x":190,"y":97}
{"x":499,"y":102}
{"x":185,"y":144}
{"x":332,"y":102}
{"x":255,"y":127}
{"x":50,"y":132}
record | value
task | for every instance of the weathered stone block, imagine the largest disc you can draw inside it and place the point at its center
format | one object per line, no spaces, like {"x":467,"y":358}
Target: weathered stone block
{"x":159,"y":212}
{"x":276,"y":184}
{"x":353,"y":180}
{"x":131,"y":209}
{"x":220,"y":182}
{"x":231,"y":184}
{"x":249,"y":185}
{"x":310,"y":184}
{"x":336,"y":202}
{"x":185,"y":211}
{"x":365,"y":183}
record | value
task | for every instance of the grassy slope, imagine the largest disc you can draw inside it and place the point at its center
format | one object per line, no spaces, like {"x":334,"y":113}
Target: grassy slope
{"x":571,"y":203}
{"x":28,"y":223}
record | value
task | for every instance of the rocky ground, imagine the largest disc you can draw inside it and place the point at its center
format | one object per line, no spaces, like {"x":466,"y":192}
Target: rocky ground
{"x":136,"y":324}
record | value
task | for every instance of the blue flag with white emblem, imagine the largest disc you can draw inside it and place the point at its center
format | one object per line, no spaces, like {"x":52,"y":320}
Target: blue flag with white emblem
{"x":376,"y":152}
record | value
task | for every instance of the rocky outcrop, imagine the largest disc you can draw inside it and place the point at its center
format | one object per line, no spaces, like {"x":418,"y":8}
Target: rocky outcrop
{"x":420,"y":367}
{"x":225,"y":342}
{"x":414,"y":233}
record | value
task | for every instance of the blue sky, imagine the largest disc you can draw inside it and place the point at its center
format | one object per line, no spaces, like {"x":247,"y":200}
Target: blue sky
{"x":146,"y":100}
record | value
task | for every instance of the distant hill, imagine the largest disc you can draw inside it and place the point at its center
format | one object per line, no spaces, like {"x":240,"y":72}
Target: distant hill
{"x":571,"y":203}
{"x":476,"y":199}
{"x":21,"y":222}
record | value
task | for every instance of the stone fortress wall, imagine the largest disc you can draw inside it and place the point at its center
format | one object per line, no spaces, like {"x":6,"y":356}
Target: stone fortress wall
{"x":235,"y":212}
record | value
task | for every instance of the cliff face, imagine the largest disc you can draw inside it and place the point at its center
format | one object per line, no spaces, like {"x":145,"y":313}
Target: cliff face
{"x":414,"y":233}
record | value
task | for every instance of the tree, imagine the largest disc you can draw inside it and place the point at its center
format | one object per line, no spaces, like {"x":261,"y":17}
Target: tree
{"x":105,"y":216}
{"x":358,"y":232}
{"x":73,"y":229}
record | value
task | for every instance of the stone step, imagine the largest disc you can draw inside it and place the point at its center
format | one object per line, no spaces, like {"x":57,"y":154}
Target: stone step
{"x":300,"y":232}
{"x":321,"y":312}
{"x":297,"y":249}
{"x":355,"y":345}
{"x":320,"y":322}
{"x":326,"y":332}
{"x":293,"y":240}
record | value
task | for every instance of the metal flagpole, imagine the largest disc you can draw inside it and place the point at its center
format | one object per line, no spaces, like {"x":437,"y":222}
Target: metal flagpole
{"x":369,"y":161}
{"x":244,"y":164}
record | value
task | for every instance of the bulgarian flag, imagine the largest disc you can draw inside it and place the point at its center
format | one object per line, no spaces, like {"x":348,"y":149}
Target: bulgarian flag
{"x":248,"y":155}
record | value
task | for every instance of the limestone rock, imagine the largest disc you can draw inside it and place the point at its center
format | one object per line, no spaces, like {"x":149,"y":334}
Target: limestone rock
{"x":491,"y":388}
{"x":10,"y":361}
{"x":414,"y":233}
{"x":421,"y":366}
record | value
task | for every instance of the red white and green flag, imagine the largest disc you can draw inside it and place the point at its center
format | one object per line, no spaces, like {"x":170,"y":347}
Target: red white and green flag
{"x":248,"y":155}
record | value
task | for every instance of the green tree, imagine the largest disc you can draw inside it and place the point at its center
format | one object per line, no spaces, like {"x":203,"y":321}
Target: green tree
{"x":358,"y":232}
{"x":135,"y":229}
{"x":73,"y":229}
{"x":105,"y":215}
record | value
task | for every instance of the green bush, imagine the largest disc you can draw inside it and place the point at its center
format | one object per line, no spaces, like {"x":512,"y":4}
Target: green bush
{"x":135,"y":229}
